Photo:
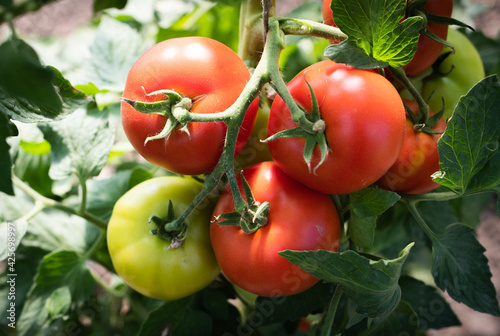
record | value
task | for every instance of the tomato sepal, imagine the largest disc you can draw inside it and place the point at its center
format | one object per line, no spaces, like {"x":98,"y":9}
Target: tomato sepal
{"x":168,"y":229}
{"x":251,"y":218}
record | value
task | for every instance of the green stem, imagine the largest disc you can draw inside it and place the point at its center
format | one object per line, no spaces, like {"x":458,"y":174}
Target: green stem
{"x":332,"y":310}
{"x":83,"y":193}
{"x":423,"y":109}
{"x":96,"y":245}
{"x":46,"y":202}
{"x":311,"y":28}
{"x":432,"y":196}
{"x":251,"y":33}
{"x":412,"y":206}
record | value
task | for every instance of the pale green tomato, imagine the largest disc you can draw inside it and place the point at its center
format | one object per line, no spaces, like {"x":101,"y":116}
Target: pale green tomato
{"x":467,"y":70}
{"x":144,"y":261}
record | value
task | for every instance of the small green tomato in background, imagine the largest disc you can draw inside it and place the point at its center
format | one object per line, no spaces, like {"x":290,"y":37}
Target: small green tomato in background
{"x":143,"y":260}
{"x":466,"y":70}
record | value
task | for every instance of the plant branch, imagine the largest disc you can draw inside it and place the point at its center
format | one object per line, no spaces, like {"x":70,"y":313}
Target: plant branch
{"x":423,"y":109}
{"x":412,"y":206}
{"x":332,"y":310}
{"x":46,"y":202}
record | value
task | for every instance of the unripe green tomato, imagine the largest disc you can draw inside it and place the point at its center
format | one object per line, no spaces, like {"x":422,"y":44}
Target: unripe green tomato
{"x":466,"y":70}
{"x":144,"y":261}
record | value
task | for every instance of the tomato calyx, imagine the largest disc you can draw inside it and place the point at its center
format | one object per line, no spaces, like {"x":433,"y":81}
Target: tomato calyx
{"x":424,"y":123}
{"x":175,"y":108}
{"x":169,"y":229}
{"x":251,"y":218}
{"x":316,"y":137}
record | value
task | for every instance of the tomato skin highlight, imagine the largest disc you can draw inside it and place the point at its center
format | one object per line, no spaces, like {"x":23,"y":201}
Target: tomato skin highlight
{"x":365,"y":123}
{"x":143,"y":260}
{"x":299,"y":219}
{"x":202,"y":69}
{"x":418,"y":160}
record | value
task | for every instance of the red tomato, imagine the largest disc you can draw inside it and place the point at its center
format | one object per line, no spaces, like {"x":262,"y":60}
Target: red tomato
{"x":202,"y":69}
{"x":365,"y":123}
{"x":428,"y":50}
{"x":418,"y":160}
{"x":299,"y":219}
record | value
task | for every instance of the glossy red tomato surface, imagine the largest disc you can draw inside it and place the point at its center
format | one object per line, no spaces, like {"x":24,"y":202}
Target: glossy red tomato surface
{"x":365,"y":125}
{"x":199,"y":68}
{"x":299,"y":219}
{"x":418,"y":160}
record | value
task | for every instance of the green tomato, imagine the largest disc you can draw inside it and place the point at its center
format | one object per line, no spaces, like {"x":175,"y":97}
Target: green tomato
{"x":466,"y":70}
{"x":143,"y":260}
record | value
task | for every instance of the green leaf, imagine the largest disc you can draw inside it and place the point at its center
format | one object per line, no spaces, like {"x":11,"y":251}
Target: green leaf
{"x":180,"y":318}
{"x":80,"y":143}
{"x":114,"y":50}
{"x":50,"y":230}
{"x":362,"y":230}
{"x":399,"y":322}
{"x":216,"y":21}
{"x":23,"y":75}
{"x":372,"y":285}
{"x":7,"y":129}
{"x":281,"y":309}
{"x":348,"y":52}
{"x":469,"y":148}
{"x":372,"y":201}
{"x":30,"y":92}
{"x":58,"y":269}
{"x":461,"y":268}
{"x":374,"y":28}
{"x":100,"y":5}
{"x":432,"y":309}
{"x":103,"y":194}
{"x":366,"y":205}
{"x":58,"y":302}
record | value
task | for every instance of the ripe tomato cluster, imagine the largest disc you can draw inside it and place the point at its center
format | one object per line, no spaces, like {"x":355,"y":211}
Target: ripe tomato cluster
{"x":370,"y":137}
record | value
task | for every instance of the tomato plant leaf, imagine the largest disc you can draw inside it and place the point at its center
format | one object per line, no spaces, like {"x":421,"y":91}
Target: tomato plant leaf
{"x":31,"y":92}
{"x":58,"y":303}
{"x":372,"y":201}
{"x":49,"y":230}
{"x":372,"y":285}
{"x":366,"y":204}
{"x":399,"y":322}
{"x":469,"y":148}
{"x":57,"y":270}
{"x":280,"y":309}
{"x":100,"y":5}
{"x":461,"y":268}
{"x":362,"y":230}
{"x":374,"y":28}
{"x":7,"y":129}
{"x":430,"y":306}
{"x":115,"y":49}
{"x":348,"y":52}
{"x":178,"y":317}
{"x":103,"y":194}
{"x":80,"y":143}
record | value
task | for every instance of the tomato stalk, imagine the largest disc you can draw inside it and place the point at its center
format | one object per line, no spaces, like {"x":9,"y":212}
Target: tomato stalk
{"x":332,"y":310}
{"x":45,"y":202}
{"x":423,"y":108}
